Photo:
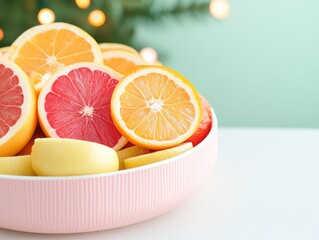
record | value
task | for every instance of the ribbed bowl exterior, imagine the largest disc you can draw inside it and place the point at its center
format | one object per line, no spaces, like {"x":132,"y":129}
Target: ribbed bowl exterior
{"x":105,"y":201}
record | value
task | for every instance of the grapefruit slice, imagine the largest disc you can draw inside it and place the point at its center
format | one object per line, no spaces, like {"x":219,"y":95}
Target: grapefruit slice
{"x":75,"y":103}
{"x":43,"y":50}
{"x":18,"y":116}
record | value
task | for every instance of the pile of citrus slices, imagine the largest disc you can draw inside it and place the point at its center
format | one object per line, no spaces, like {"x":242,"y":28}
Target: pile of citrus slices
{"x":71,"y":106}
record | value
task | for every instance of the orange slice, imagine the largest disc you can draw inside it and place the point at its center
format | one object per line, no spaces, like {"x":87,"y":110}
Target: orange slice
{"x":43,"y":50}
{"x":155,"y":107}
{"x":117,"y":46}
{"x":122,"y":60}
{"x":18,"y":116}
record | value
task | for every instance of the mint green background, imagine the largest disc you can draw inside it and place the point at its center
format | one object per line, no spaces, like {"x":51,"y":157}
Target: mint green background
{"x":259,"y":67}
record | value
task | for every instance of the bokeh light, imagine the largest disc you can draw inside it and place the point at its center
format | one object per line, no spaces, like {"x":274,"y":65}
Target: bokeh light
{"x":1,"y":34}
{"x":46,"y":15}
{"x":83,"y":3}
{"x":219,"y":8}
{"x":96,"y":18}
{"x":149,"y":55}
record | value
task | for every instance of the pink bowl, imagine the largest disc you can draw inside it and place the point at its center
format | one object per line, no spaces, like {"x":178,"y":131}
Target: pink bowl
{"x":104,"y":201}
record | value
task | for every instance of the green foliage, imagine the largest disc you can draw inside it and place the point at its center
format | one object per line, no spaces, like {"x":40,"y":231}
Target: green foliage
{"x":122,"y":16}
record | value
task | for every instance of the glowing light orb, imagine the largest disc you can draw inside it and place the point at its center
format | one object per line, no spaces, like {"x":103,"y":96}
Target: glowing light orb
{"x":149,"y":55}
{"x":96,"y":18}
{"x":219,"y":9}
{"x":46,"y":16}
{"x":83,"y":3}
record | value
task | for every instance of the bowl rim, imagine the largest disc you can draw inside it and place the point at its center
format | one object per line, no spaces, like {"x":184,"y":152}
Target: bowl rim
{"x":210,"y":135}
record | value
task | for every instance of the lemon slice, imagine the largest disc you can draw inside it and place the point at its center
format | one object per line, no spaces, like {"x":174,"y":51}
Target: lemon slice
{"x":157,"y":156}
{"x":66,"y":157}
{"x":130,"y":152}
{"x":16,"y":165}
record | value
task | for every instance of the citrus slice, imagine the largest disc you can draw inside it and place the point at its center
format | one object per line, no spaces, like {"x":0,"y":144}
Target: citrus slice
{"x":157,"y":156}
{"x":75,"y":103}
{"x":18,"y":116}
{"x":130,"y":152}
{"x":44,"y":49}
{"x":121,"y":60}
{"x":16,"y":165}
{"x":117,"y":46}
{"x":68,"y":157}
{"x":205,"y":124}
{"x":155,"y":107}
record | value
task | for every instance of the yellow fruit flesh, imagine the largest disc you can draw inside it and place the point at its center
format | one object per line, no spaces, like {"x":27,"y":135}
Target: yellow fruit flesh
{"x":16,"y":165}
{"x":130,"y":152}
{"x":66,"y":157}
{"x":153,"y":157}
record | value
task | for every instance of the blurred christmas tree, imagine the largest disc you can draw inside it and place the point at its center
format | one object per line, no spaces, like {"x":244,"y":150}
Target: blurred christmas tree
{"x":122,"y":16}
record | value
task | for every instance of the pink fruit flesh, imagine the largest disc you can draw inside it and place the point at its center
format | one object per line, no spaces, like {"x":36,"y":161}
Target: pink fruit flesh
{"x":78,"y":106}
{"x":11,"y":99}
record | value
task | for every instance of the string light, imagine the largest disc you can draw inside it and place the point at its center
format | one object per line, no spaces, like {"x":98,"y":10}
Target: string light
{"x":46,"y":15}
{"x":219,"y":8}
{"x":83,"y":3}
{"x":1,"y":34}
{"x":96,"y":18}
{"x":149,"y":55}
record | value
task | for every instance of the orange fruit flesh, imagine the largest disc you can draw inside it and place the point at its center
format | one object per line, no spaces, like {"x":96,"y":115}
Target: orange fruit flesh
{"x":38,"y":58}
{"x":170,"y":122}
{"x":155,"y":107}
{"x":119,"y":64}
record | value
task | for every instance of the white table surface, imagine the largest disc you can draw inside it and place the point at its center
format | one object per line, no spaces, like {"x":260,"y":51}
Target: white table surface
{"x":265,"y":186}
